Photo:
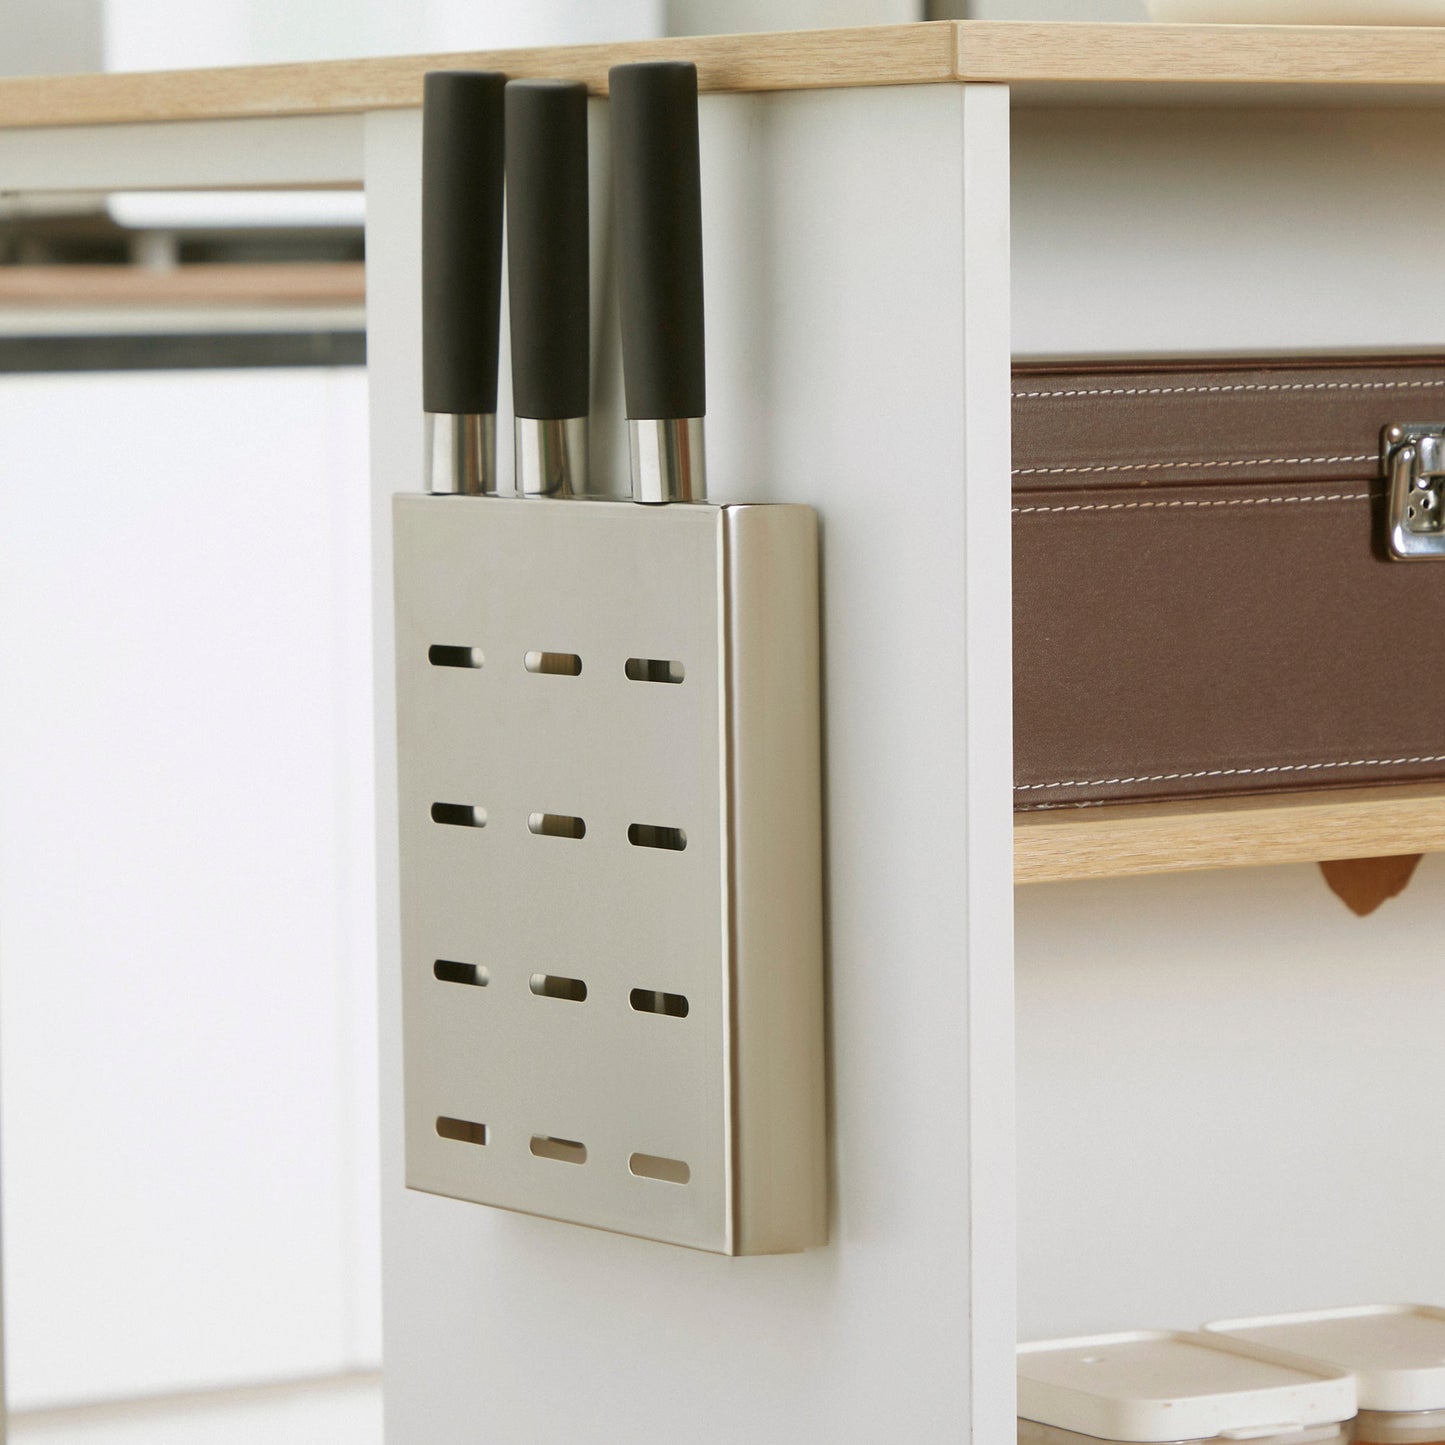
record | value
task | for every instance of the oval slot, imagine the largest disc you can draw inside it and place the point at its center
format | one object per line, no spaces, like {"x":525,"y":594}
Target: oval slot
{"x":440,"y":656}
{"x":459,"y":815}
{"x":654,"y":1001}
{"x":462,"y":1130}
{"x":556,"y":825}
{"x":655,"y":669}
{"x":558,"y":664}
{"x":654,"y":1166}
{"x":654,"y":835}
{"x":450,"y":971}
{"x":554,"y":985}
{"x":565,"y":1151}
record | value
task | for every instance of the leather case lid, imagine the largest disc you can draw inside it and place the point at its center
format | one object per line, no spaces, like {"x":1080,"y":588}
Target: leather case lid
{"x":1202,"y":604}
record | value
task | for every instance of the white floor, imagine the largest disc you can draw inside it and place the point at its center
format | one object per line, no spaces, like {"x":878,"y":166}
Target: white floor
{"x":341,"y":1411}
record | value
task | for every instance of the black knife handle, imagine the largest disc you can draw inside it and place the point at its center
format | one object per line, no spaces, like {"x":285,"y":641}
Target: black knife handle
{"x":659,"y":237}
{"x":461,"y":240}
{"x":547,"y":252}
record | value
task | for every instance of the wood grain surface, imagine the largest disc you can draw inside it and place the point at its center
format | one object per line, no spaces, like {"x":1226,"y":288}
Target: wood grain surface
{"x":1120,"y":840}
{"x":332,"y":283}
{"x":1180,"y":55}
{"x":802,"y":60}
{"x":1063,"y":58}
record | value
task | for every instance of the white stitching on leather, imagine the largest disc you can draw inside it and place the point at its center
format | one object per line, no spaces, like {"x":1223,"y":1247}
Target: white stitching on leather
{"x":1174,"y":466}
{"x":1222,"y":502}
{"x":1232,"y":773}
{"x":1238,"y":386}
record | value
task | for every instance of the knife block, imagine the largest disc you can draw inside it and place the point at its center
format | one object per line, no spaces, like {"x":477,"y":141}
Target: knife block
{"x":611,"y":864}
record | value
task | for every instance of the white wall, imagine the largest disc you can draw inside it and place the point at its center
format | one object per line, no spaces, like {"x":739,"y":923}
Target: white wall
{"x":50,"y":37}
{"x":187,"y":1062}
{"x":1113,"y":10}
{"x":158,"y":34}
{"x":167,"y":34}
{"x":715,"y":17}
{"x":1222,"y":230}
{"x":1229,"y":1099}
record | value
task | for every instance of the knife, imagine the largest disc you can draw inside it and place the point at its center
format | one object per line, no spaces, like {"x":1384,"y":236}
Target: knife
{"x":547,"y":281}
{"x":658,"y":195}
{"x":461,"y":276}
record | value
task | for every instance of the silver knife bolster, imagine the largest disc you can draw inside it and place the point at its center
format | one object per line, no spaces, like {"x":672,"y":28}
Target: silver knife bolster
{"x":668,"y":464}
{"x":461,"y":453}
{"x":551,"y":456}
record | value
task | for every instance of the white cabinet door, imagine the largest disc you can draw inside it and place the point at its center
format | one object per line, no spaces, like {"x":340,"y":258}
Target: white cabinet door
{"x":186,"y":954}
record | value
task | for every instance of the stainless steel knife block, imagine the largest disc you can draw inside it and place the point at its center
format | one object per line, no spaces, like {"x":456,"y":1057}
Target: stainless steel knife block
{"x":611,"y":864}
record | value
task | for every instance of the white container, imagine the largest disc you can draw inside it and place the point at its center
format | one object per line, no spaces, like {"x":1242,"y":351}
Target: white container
{"x":1178,"y":1387}
{"x":1396,"y":1353}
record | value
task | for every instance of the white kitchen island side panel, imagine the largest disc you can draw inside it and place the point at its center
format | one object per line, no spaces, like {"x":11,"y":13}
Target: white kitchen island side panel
{"x":853,"y":369}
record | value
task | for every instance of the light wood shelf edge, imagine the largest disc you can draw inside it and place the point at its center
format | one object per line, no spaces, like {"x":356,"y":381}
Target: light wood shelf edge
{"x":331,"y":283}
{"x":801,"y":60}
{"x":1144,"y":55}
{"x":1139,"y":838}
{"x":1071,"y":58}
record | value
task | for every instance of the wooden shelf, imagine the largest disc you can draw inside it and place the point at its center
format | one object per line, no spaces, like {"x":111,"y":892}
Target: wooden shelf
{"x":1129,"y":839}
{"x":1206,"y":64}
{"x":332,"y":283}
{"x":1068,"y":62}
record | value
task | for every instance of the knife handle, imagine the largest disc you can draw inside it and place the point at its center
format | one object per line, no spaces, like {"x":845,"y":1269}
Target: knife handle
{"x":462,"y":180}
{"x":658,"y":193}
{"x":547,"y":250}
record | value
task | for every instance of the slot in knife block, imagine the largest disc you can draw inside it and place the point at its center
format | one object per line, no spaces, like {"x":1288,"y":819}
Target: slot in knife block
{"x":611,"y":864}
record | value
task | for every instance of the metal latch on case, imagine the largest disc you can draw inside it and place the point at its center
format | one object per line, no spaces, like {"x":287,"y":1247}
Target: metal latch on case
{"x":1413,"y":460}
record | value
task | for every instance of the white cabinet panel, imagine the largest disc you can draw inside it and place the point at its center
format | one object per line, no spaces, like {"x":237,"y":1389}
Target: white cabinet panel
{"x":185,"y":942}
{"x":1228,"y":1099}
{"x":1223,"y":230}
{"x":346,"y":1411}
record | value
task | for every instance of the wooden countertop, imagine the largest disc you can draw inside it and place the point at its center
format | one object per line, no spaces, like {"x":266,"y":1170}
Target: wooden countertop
{"x":1044,"y":61}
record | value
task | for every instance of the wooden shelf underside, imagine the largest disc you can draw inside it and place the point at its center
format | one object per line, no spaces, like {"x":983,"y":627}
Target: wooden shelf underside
{"x":1136,"y":838}
{"x":1066,"y":62}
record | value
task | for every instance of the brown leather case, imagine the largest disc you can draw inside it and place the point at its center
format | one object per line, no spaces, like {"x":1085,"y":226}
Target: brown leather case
{"x":1203,"y":602}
